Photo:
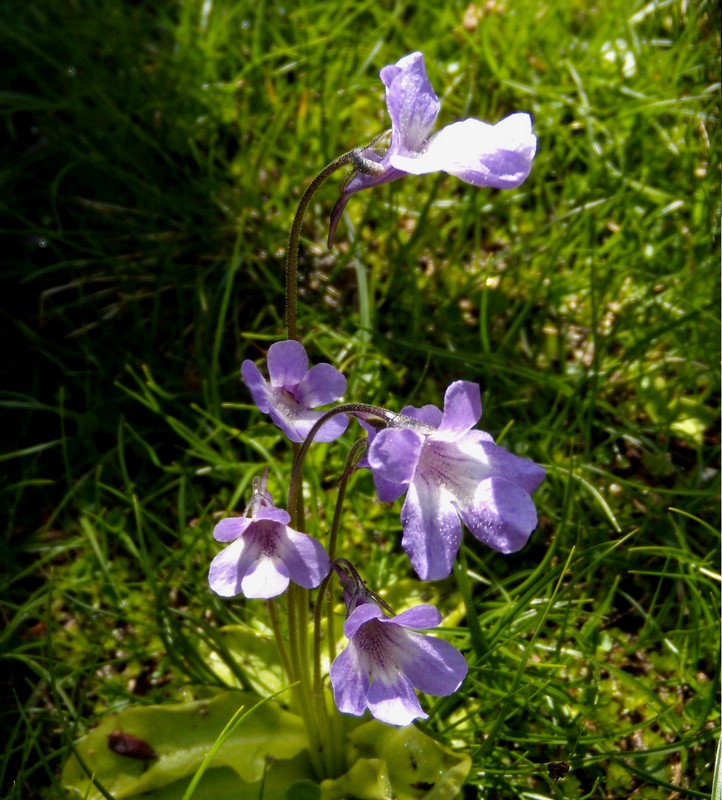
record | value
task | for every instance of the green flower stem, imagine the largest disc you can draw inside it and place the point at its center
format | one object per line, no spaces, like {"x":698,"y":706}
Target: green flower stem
{"x":331,"y":718}
{"x":295,"y":238}
{"x":280,"y":642}
{"x":355,"y":409}
{"x":299,"y":664}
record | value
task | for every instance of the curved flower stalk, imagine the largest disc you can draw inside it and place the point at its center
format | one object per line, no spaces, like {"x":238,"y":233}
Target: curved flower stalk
{"x":452,"y":473}
{"x":499,"y":156}
{"x":294,"y":390}
{"x":386,"y":660}
{"x":265,"y":554}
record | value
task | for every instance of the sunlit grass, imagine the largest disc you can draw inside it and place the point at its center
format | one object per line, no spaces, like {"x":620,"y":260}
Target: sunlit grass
{"x":152,"y":164}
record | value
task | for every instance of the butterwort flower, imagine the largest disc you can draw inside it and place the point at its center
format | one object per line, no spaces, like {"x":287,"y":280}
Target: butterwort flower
{"x":499,"y":156}
{"x":450,"y":474}
{"x":386,"y":661}
{"x":293,"y":390}
{"x":265,"y":554}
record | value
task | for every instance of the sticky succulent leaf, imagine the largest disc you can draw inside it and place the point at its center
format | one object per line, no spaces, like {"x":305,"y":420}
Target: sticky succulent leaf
{"x":181,"y":735}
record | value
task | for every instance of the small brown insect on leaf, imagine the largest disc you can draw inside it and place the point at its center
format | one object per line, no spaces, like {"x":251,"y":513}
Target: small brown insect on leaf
{"x":125,"y":744}
{"x":557,"y":769}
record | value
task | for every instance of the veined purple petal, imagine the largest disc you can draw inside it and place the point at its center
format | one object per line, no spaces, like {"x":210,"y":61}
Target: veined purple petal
{"x":420,"y":617}
{"x":502,"y":515}
{"x":256,"y":384}
{"x":287,"y":364}
{"x":350,"y":682}
{"x":231,"y":528}
{"x":493,"y":459}
{"x":305,"y":558}
{"x":360,"y":616}
{"x":296,"y":420}
{"x":462,"y":410}
{"x":429,"y":414}
{"x":320,"y":385}
{"x":438,"y":668}
{"x":223,"y":576}
{"x":432,"y":530}
{"x":394,"y":454}
{"x":413,"y":106}
{"x":272,"y":514}
{"x":395,"y":702}
{"x":499,"y":156}
{"x":386,"y":490}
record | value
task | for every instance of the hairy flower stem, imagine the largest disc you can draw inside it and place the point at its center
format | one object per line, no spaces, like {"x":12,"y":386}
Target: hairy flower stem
{"x":361,"y":164}
{"x":363,"y":410}
{"x":295,"y":238}
{"x":299,"y":665}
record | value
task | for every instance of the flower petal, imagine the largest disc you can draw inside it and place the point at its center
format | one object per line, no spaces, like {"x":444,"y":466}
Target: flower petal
{"x":432,"y":530}
{"x":267,"y":577}
{"x":305,"y":558}
{"x":287,"y":364}
{"x":438,"y":668}
{"x":462,"y":410}
{"x":394,"y":702}
{"x":422,"y":616}
{"x":498,"y":155}
{"x":430,"y":415}
{"x":296,"y":421}
{"x":413,"y":106}
{"x":231,"y":528}
{"x":497,"y":460}
{"x":321,"y":384}
{"x":224,"y":576}
{"x":272,"y":514}
{"x":502,"y":515}
{"x":394,"y":454}
{"x":350,"y":682}
{"x":360,"y":616}
{"x":256,"y":384}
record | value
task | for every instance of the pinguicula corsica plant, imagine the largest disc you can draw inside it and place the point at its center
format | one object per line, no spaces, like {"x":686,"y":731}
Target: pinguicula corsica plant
{"x":451,"y":473}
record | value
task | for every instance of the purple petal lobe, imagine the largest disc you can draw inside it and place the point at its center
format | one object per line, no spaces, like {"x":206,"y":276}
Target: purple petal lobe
{"x":429,"y":415}
{"x":395,"y":702}
{"x":462,"y":409}
{"x":267,"y":577}
{"x":438,"y":669}
{"x":432,"y":530}
{"x":360,"y":616}
{"x":305,"y":558}
{"x":502,"y":515}
{"x":350,"y":682}
{"x":498,"y":155}
{"x":522,"y":471}
{"x":423,"y":616}
{"x":256,"y":384}
{"x":230,"y":528}
{"x":320,"y":385}
{"x":296,"y":421}
{"x":395,"y":453}
{"x":273,"y":514}
{"x":413,"y":106}
{"x":287,"y":363}
{"x":223,"y":576}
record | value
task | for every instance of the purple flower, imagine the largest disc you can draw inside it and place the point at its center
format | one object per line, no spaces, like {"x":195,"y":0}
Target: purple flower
{"x":294,"y":389}
{"x":449,"y":471}
{"x":385,"y":661}
{"x":498,"y":155}
{"x":264,"y":554}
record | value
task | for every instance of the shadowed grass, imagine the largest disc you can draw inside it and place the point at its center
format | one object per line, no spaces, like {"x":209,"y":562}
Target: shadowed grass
{"x":152,"y":160}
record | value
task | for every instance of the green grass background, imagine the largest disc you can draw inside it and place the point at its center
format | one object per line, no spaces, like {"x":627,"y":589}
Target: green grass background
{"x":152,"y":157}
